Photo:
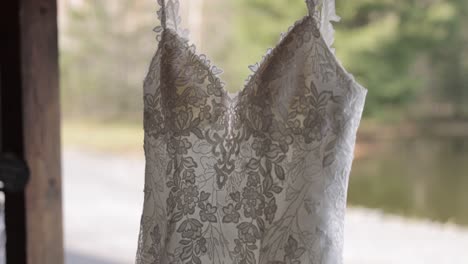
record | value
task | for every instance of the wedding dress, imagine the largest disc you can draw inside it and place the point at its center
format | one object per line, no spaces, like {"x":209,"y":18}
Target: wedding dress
{"x":259,"y":176}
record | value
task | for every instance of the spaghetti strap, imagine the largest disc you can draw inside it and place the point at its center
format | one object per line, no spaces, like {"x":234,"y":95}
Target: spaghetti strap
{"x":324,"y":13}
{"x":169,"y":17}
{"x":311,"y":6}
{"x":162,"y":15}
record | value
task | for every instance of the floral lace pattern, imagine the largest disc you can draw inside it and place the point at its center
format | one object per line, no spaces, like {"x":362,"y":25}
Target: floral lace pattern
{"x":255,"y":177}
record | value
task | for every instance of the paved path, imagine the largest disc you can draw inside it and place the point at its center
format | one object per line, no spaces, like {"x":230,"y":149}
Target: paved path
{"x":103,"y":201}
{"x":103,"y":198}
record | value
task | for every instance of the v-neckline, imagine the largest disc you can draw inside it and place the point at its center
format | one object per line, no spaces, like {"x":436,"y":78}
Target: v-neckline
{"x":210,"y":64}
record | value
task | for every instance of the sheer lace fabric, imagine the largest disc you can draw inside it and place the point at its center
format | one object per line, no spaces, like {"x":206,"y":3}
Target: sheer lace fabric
{"x":255,"y":177}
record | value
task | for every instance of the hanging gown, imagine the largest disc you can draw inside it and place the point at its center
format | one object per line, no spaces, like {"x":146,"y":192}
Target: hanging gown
{"x":255,"y":177}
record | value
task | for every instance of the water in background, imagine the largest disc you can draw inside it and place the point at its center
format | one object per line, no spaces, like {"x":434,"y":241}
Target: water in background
{"x":423,"y":176}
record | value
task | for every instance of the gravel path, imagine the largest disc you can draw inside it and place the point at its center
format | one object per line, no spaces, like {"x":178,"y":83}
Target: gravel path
{"x":103,"y":201}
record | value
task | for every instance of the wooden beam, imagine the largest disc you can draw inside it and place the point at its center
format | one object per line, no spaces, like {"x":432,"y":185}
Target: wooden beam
{"x":29,"y":111}
{"x":41,"y":130}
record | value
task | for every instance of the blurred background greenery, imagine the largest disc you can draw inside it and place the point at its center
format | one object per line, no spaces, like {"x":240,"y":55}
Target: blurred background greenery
{"x":412,"y":148}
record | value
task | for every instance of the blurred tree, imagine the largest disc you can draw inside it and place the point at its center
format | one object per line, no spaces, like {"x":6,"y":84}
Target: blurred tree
{"x":450,"y":53}
{"x":105,"y":53}
{"x":257,"y":26}
{"x":402,"y":50}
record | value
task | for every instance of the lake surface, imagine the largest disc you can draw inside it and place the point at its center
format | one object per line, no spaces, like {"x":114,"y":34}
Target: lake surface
{"x":423,"y":177}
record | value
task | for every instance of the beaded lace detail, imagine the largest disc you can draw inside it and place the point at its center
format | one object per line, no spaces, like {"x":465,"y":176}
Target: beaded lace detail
{"x":255,"y":177}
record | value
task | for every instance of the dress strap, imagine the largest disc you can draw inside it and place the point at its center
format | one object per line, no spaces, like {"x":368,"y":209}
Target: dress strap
{"x":311,"y":6}
{"x":168,"y":14}
{"x":323,"y":11}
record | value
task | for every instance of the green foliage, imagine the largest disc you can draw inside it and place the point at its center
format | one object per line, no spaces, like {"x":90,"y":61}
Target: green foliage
{"x":105,"y":51}
{"x":257,"y":27}
{"x":405,"y":50}
{"x":402,"y":51}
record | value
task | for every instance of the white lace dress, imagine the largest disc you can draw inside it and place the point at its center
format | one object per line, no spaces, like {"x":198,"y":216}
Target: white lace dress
{"x":259,"y":176}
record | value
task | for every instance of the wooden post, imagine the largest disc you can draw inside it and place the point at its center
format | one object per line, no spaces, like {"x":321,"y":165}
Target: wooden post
{"x":30,"y":122}
{"x":41,"y":130}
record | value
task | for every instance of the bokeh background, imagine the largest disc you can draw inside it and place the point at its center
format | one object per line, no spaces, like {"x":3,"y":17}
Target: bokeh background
{"x":408,"y":191}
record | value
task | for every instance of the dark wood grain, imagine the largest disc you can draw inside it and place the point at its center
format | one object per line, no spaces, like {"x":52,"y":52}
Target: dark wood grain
{"x":41,"y":130}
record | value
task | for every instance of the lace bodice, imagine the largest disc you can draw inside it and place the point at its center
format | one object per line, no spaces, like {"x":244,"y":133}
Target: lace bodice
{"x":259,"y":176}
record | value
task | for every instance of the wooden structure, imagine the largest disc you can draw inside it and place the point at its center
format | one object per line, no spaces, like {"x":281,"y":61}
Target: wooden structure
{"x":30,"y":129}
